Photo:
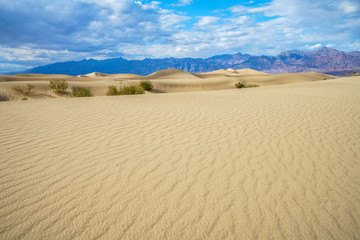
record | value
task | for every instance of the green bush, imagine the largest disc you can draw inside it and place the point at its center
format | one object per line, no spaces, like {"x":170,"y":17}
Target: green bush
{"x":5,"y":97}
{"x":146,"y":85}
{"x":58,"y":86}
{"x":81,"y":92}
{"x":112,"y":91}
{"x":127,"y":90}
{"x":252,"y":85}
{"x":131,"y":90}
{"x":239,"y":85}
{"x":24,"y":99}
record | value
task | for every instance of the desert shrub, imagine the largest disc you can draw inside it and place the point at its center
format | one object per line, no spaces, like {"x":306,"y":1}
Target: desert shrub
{"x":5,"y":97}
{"x":239,"y":85}
{"x":252,"y":85}
{"x":24,"y":99}
{"x":112,"y":91}
{"x":126,"y":90}
{"x":28,"y":89}
{"x":25,"y":91}
{"x":19,"y":89}
{"x":131,"y":90}
{"x":146,"y":85}
{"x":58,"y":86}
{"x":81,"y":92}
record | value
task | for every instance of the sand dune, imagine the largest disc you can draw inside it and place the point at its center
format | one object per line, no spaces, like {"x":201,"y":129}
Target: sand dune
{"x":36,"y":77}
{"x":221,"y":72}
{"x":172,"y":74}
{"x":248,"y":71}
{"x":286,"y":78}
{"x":171,"y":80}
{"x":97,"y":74}
{"x":278,"y":162}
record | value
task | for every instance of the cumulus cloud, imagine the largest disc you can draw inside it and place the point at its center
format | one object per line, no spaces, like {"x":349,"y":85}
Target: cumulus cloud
{"x":42,"y":31}
{"x":349,"y":7}
{"x":70,"y":24}
{"x":205,"y":21}
{"x":312,"y":47}
{"x":151,"y":5}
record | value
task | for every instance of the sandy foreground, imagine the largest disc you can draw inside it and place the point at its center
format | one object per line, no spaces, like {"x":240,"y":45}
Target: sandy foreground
{"x":276,"y":162}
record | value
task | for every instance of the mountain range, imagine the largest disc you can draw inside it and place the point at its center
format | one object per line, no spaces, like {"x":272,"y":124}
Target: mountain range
{"x":324,"y":60}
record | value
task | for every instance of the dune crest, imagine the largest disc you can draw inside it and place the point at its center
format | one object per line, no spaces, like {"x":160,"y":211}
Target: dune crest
{"x":172,"y":74}
{"x":248,"y":71}
{"x":96,"y":74}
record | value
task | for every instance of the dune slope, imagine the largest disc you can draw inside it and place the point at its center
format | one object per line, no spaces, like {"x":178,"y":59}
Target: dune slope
{"x":279,"y":162}
{"x":172,"y":74}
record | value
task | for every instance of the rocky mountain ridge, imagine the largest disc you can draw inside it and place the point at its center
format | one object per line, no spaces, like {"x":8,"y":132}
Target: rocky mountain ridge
{"x":323,"y":60}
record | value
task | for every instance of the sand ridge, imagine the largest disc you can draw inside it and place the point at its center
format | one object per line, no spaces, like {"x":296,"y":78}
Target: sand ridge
{"x":279,"y":162}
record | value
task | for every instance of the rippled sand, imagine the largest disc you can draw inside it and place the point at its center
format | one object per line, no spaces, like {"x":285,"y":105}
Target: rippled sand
{"x":278,"y":162}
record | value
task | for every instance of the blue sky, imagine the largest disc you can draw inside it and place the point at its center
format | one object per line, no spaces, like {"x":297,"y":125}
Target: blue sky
{"x":39,"y":32}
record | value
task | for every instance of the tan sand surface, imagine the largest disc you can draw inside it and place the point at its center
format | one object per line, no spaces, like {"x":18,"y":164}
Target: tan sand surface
{"x":278,"y":162}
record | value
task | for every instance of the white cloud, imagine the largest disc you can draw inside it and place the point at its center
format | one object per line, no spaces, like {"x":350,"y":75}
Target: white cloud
{"x":183,"y":3}
{"x":348,"y":7}
{"x":241,"y":20}
{"x":205,"y":21}
{"x":171,"y":21}
{"x":151,"y":5}
{"x":312,"y":47}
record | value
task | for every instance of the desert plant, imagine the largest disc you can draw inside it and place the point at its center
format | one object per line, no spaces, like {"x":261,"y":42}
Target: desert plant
{"x":131,"y":90}
{"x":239,"y":85}
{"x":19,"y":89}
{"x":26,"y":91}
{"x":112,"y":91}
{"x":81,"y":92}
{"x":58,"y":86}
{"x":125,"y":90}
{"x":252,"y":85}
{"x":24,"y":99}
{"x":5,"y":97}
{"x":29,"y":87}
{"x":146,"y":85}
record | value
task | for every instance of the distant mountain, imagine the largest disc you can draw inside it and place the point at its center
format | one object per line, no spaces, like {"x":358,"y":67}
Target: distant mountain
{"x":324,"y":60}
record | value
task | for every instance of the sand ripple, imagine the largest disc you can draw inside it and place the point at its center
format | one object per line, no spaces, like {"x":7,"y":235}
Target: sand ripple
{"x":276,"y":162}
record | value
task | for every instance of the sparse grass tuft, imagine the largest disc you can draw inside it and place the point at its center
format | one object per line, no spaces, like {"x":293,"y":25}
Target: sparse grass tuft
{"x":5,"y":97}
{"x":24,"y":99}
{"x":239,"y":85}
{"x":58,"y":86}
{"x":146,"y":85}
{"x":81,"y":92}
{"x":252,"y":85}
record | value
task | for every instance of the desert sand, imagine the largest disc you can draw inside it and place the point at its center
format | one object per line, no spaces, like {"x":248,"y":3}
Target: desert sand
{"x":274,"y":162}
{"x":164,"y":81}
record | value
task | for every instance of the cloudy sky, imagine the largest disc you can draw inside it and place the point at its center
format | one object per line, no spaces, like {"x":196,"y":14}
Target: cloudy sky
{"x":39,"y":32}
